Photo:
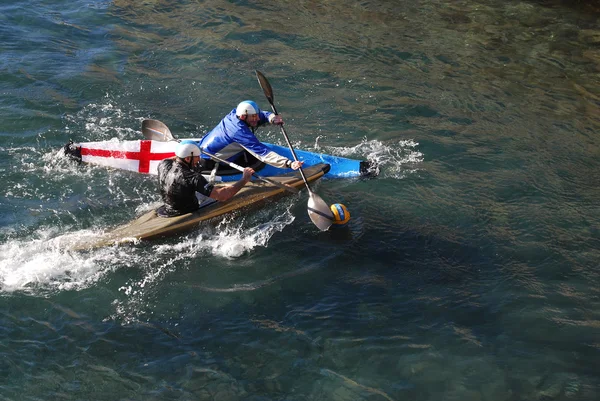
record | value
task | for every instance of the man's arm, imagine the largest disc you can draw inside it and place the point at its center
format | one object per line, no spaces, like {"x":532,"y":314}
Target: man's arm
{"x":275,"y":159}
{"x":247,"y":140}
{"x":226,"y":193}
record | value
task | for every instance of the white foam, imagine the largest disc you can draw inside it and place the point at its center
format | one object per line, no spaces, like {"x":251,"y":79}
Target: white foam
{"x":392,"y":159}
{"x":104,"y":121}
{"x":43,"y":264}
{"x":232,"y":237}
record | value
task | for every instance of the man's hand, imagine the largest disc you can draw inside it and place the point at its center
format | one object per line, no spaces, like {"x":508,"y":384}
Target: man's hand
{"x":276,"y":119}
{"x":225,"y":193}
{"x":296,"y":165}
{"x":247,"y":174}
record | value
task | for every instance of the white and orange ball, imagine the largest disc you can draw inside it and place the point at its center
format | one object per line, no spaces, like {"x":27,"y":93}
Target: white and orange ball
{"x":341,"y":215}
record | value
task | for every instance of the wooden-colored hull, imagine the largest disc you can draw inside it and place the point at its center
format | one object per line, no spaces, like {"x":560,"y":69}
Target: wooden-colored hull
{"x":150,"y":225}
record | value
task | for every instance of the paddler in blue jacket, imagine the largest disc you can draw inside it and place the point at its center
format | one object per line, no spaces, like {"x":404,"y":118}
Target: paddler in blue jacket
{"x":179,"y":180}
{"x":236,"y":133}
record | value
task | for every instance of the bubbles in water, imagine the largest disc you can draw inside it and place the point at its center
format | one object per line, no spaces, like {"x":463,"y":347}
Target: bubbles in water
{"x":394,"y":160}
{"x":105,"y":121}
{"x":233,"y":237}
{"x":44,"y":265}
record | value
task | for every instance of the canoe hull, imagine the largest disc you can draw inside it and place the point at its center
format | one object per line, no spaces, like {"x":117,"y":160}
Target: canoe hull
{"x":143,"y":156}
{"x":151,"y":226}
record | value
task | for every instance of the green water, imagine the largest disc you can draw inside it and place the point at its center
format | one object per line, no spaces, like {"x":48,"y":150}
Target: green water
{"x":468,"y":270}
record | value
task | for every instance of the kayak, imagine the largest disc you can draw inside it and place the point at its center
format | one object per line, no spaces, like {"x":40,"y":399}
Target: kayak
{"x":143,"y":156}
{"x":151,"y":226}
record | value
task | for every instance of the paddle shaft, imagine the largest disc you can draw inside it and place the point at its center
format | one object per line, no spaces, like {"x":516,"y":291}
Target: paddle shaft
{"x":268,"y":90}
{"x":258,"y":177}
{"x":287,"y":139}
{"x":240,"y":168}
{"x":316,"y":205}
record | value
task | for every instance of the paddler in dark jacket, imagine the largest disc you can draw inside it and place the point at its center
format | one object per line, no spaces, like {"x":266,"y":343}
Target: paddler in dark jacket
{"x":179,"y":180}
{"x":236,"y":133}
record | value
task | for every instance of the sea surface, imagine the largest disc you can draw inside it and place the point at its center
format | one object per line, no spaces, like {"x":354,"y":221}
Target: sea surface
{"x":469,"y":270}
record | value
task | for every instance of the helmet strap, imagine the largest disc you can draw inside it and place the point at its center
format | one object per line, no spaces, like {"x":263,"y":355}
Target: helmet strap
{"x":243,"y":118}
{"x":189,"y":164}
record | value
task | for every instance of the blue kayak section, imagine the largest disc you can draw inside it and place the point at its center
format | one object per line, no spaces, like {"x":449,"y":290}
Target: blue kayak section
{"x":341,"y":167}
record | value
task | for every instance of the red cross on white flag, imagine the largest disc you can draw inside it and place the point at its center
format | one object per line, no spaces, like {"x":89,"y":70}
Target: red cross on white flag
{"x":142,"y":156}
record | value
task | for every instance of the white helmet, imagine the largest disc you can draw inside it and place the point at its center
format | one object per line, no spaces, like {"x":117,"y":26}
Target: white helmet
{"x":187,"y":148}
{"x":247,"y":107}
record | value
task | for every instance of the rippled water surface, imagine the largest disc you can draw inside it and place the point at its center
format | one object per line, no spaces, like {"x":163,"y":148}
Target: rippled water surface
{"x":469,"y":269}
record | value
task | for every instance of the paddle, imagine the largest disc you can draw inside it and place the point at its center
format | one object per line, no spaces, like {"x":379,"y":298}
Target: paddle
{"x":158,"y":131}
{"x":318,"y":210}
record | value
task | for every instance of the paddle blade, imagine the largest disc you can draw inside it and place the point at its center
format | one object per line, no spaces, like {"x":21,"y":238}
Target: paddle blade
{"x":156,"y":131}
{"x":266,"y":86}
{"x":319,"y":212}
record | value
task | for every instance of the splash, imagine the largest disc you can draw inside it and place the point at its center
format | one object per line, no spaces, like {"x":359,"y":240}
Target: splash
{"x":233,"y":237}
{"x":394,"y":160}
{"x":42,"y":265}
{"x":104,"y":121}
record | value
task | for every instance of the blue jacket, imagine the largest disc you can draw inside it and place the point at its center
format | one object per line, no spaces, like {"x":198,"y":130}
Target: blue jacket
{"x":232,"y":135}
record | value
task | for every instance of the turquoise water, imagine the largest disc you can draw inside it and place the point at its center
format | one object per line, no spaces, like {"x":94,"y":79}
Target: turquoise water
{"x":469,"y":270}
